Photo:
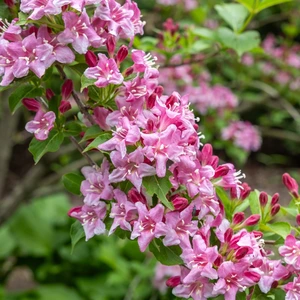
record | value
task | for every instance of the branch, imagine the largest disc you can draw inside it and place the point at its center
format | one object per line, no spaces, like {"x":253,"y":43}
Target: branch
{"x":81,"y":106}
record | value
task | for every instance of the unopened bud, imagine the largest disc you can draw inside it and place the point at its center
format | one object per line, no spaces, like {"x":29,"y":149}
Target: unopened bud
{"x":257,"y":234}
{"x":171,"y":100}
{"x":245,"y":191}
{"x":159,"y":90}
{"x":31,"y":104}
{"x":170,"y":26}
{"x":241,"y":252}
{"x":64,"y":106}
{"x":150,"y":102}
{"x":253,"y":276}
{"x":263,"y":199}
{"x":221,"y":171}
{"x":214,"y":161}
{"x":252,"y":220}
{"x":275,"y":209}
{"x":291,"y":184}
{"x":91,"y":58}
{"x":206,"y":153}
{"x":128,"y":71}
{"x":134,"y":196}
{"x":111,"y":45}
{"x":228,"y":235}
{"x":9,"y":3}
{"x":274,"y":284}
{"x":218,"y":261}
{"x":122,"y":54}
{"x":67,"y":89}
{"x":298,"y":220}
{"x":193,"y":139}
{"x":275,"y":199}
{"x":49,"y":94}
{"x":238,"y":218}
{"x":180,"y":203}
{"x":173,"y":281}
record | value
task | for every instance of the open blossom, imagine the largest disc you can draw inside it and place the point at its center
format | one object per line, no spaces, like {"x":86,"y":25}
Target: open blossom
{"x":41,"y":125}
{"x":291,"y":251}
{"x":105,"y":72}
{"x":293,"y":289}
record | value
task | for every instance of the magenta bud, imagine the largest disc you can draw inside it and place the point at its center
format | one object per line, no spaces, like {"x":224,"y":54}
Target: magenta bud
{"x":170,"y":26}
{"x":275,"y":209}
{"x":76,"y":209}
{"x":274,"y":284}
{"x":206,"y":153}
{"x":128,"y":71}
{"x":159,"y":90}
{"x":91,"y":58}
{"x":228,"y":235}
{"x":122,"y":54}
{"x":257,"y":263}
{"x":214,"y":161}
{"x":218,"y":261}
{"x":253,"y":276}
{"x":193,"y":139}
{"x":238,"y":218}
{"x":291,"y":184}
{"x":252,"y":220}
{"x":287,"y":276}
{"x":241,"y":253}
{"x":64,"y":106}
{"x":275,"y":199}
{"x":180,"y":203}
{"x":67,"y":89}
{"x":298,"y":220}
{"x":49,"y":94}
{"x":173,"y":281}
{"x":246,"y":189}
{"x":221,"y":171}
{"x":134,"y":196}
{"x":31,"y":104}
{"x":111,"y":45}
{"x":9,"y":3}
{"x":150,"y":102}
{"x":171,"y":100}
{"x":257,"y":234}
{"x":263,"y":199}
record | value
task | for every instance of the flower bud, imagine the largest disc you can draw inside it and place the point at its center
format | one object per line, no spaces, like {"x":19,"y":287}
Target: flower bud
{"x":180,"y":203}
{"x":257,"y":234}
{"x":91,"y":58}
{"x":193,"y":139}
{"x":67,"y":89}
{"x":238,"y":218}
{"x":263,"y":199}
{"x":206,"y":153}
{"x":128,"y":71}
{"x":218,"y":261}
{"x":253,"y":276}
{"x":228,"y":235}
{"x":122,"y":54}
{"x":275,"y":209}
{"x":111,"y":45}
{"x":291,"y":184}
{"x":245,"y":191}
{"x":134,"y":196}
{"x":221,"y":171}
{"x":274,"y":284}
{"x":49,"y":94}
{"x":9,"y":3}
{"x":31,"y":104}
{"x":64,"y":106}
{"x":150,"y":102}
{"x":275,"y":199}
{"x":252,"y":220}
{"x":170,"y":26}
{"x":76,"y":209}
{"x":214,"y":161}
{"x":241,"y":252}
{"x":159,"y":90}
{"x":298,"y":220}
{"x":173,"y":281}
{"x":171,"y":100}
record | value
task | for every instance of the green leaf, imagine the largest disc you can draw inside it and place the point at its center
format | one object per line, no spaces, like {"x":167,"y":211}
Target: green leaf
{"x":79,"y":68}
{"x":76,"y":233}
{"x":249,"y":4}
{"x":254,"y":202}
{"x":7,"y":242}
{"x":268,"y":3}
{"x":241,"y":43}
{"x":283,"y":229}
{"x":233,"y":14}
{"x":160,"y":187}
{"x":224,"y":199}
{"x":72,"y":182}
{"x":57,"y":292}
{"x":100,"y":139}
{"x":23,"y":91}
{"x":85,"y":82}
{"x":39,"y":148}
{"x":199,"y":46}
{"x":204,"y":33}
{"x":22,"y":19}
{"x":91,"y":133}
{"x":168,"y":256}
{"x":72,"y":128}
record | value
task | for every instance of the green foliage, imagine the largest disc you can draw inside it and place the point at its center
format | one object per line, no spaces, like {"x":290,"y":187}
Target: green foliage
{"x":72,"y":182}
{"x":100,"y":139}
{"x":39,"y":148}
{"x":91,"y":133}
{"x":256,"y":6}
{"x":280,"y":228}
{"x":76,"y":233}
{"x":85,"y":82}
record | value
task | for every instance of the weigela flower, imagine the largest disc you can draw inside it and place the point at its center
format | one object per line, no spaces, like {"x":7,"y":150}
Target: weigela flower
{"x":144,"y":63}
{"x":105,"y":72}
{"x":41,"y":125}
{"x":39,"y":8}
{"x":291,"y":251}
{"x":293,"y":289}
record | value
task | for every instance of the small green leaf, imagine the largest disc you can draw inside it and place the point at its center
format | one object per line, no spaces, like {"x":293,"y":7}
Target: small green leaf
{"x":85,"y":82}
{"x":204,"y":33}
{"x":72,"y":182}
{"x":76,"y":233}
{"x":168,"y":256}
{"x":91,"y":133}
{"x":199,"y":46}
{"x":268,"y":3}
{"x":233,"y":14}
{"x":22,"y":19}
{"x":160,"y":187}
{"x":100,"y":139}
{"x":281,"y":228}
{"x":254,"y":202}
{"x":39,"y":148}
{"x":249,"y":4}
{"x":79,"y":68}
{"x":23,"y":91}
{"x":224,"y":199}
{"x":72,"y":128}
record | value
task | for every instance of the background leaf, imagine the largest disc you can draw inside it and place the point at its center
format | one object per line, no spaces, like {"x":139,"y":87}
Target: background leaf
{"x":72,"y":182}
{"x":76,"y":233}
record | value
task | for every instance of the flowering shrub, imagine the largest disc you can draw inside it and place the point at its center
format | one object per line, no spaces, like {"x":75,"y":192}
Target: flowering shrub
{"x":157,"y":183}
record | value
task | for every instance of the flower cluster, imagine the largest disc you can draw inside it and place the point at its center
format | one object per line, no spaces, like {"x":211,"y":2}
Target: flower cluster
{"x":188,"y":4}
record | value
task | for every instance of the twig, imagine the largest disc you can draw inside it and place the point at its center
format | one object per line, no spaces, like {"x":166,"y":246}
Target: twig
{"x":81,"y":106}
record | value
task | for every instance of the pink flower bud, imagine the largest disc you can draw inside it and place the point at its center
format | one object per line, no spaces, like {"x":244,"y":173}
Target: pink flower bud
{"x":49,"y":94}
{"x":134,"y":196}
{"x":291,"y":184}
{"x":238,"y":218}
{"x":246,"y":189}
{"x":64,"y":106}
{"x":298,"y":220}
{"x":159,"y":90}
{"x":274,"y":284}
{"x":74,"y":209}
{"x":128,"y":71}
{"x":171,"y":100}
{"x":253,"y":276}
{"x":241,"y":252}
{"x":214,"y":161}
{"x":193,"y":139}
{"x":31,"y":104}
{"x":274,"y":199}
{"x":263,"y":199}
{"x":257,"y":234}
{"x":170,"y":26}
{"x":67,"y":89}
{"x":252,"y":220}
{"x":206,"y":153}
{"x":111,"y":45}
{"x":180,"y":203}
{"x":9,"y":3}
{"x":91,"y":58}
{"x":122,"y":54}
{"x":173,"y":281}
{"x":275,"y":209}
{"x":150,"y":102}
{"x":218,"y":261}
{"x":228,"y":235}
{"x":221,"y":171}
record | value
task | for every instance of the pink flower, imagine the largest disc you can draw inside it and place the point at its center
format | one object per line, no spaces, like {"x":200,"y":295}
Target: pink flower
{"x":291,"y":251}
{"x":293,"y":289}
{"x":149,"y":224}
{"x":41,"y":124}
{"x":39,"y":8}
{"x":144,"y":63}
{"x":105,"y":72}
{"x":96,"y":186}
{"x":91,"y":218}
